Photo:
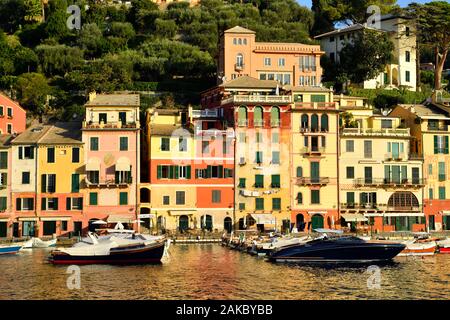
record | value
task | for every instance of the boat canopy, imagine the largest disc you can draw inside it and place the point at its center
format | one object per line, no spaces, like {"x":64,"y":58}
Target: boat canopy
{"x":321,"y":230}
{"x":353,"y":217}
{"x":113,"y":218}
{"x":264,"y":218}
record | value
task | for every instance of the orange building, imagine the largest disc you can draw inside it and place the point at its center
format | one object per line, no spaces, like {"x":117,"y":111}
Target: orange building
{"x":12,"y":116}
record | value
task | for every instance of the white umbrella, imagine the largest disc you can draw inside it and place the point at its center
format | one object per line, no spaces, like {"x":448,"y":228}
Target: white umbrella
{"x":138,"y":221}
{"x":99,"y":222}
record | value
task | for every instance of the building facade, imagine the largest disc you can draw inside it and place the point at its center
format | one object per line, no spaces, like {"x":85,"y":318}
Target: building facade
{"x":12,"y":116}
{"x":289,"y":63}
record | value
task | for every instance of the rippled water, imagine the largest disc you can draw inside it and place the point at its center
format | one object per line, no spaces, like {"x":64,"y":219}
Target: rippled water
{"x":210,"y":271}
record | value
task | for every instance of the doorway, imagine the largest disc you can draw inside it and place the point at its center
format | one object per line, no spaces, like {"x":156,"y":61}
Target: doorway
{"x":49,"y":228}
{"x":3,"y":229}
{"x":300,"y":219}
{"x":228,"y":224}
{"x":16,"y":230}
{"x":183,"y":223}
{"x":317,"y":221}
{"x":77,"y":228}
{"x":28,"y":228}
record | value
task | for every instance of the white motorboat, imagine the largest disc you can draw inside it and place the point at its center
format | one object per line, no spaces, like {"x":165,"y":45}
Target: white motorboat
{"x":416,"y":248}
{"x":444,"y":245}
{"x":38,"y":243}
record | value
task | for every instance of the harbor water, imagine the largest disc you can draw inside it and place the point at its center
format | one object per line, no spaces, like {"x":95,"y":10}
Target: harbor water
{"x":210,"y":271}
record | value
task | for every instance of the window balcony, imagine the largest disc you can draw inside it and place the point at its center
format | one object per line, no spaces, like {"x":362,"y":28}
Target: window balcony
{"x":239,"y":66}
{"x":395,"y":157}
{"x":376,"y":132}
{"x":242,"y":123}
{"x":314,"y":181}
{"x":383,"y":182}
{"x":272,"y":99}
{"x":437,"y":128}
{"x":315,"y":105}
{"x":109,"y":183}
{"x":110,"y":125}
{"x":312,"y":150}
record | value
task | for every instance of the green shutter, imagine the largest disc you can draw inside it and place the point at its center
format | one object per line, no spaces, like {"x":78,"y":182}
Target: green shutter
{"x":317,"y":98}
{"x":3,"y":160}
{"x":436,"y":148}
{"x":188,"y":172}
{"x":220,"y":171}
{"x":259,"y":181}
{"x":44,"y":204}
{"x":176,"y":170}
{"x":299,"y":198}
{"x":241,"y":182}
{"x":196,"y":173}
{"x":3,"y":203}
{"x":275,"y":181}
{"x":259,"y":204}
{"x":404,"y":173}
{"x":123,"y":198}
{"x":387,"y":173}
{"x":159,"y":172}
{"x":276,"y":203}
{"x":68,"y":203}
{"x":75,"y":182}
{"x":56,"y":203}
{"x":209,"y":172}
{"x":18,"y":204}
{"x":43,"y":183}
{"x":20,"y":152}
{"x":446,"y":145}
{"x":350,"y":197}
{"x":93,"y":198}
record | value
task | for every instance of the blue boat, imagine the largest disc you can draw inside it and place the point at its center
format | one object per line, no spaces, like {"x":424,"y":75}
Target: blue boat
{"x":9,"y":249}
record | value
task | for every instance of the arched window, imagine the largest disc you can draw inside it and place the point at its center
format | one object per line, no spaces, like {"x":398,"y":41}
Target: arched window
{"x":242,"y":116}
{"x":304,"y":121}
{"x":234,"y":41}
{"x":324,"y":123}
{"x":239,"y":41}
{"x":314,"y":123}
{"x":258,"y":116}
{"x":299,"y":172}
{"x":403,"y":199}
{"x":275,"y":117}
{"x":239,"y":60}
{"x":299,"y":198}
{"x":244,"y":41}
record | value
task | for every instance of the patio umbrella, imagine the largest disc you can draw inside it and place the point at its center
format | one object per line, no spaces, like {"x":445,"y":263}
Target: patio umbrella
{"x":99,"y":222}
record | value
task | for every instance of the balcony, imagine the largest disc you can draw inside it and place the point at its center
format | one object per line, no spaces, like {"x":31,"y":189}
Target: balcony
{"x":239,"y":66}
{"x":110,"y":125}
{"x":271,"y":99}
{"x":415,"y":156}
{"x":437,"y":128}
{"x":315,"y":105}
{"x":215,"y":133}
{"x":312,"y":151}
{"x":382,"y":182}
{"x":395,"y":157}
{"x":376,"y":132}
{"x":109,"y":183}
{"x":312,"y":130}
{"x":315,"y":181}
{"x":206,"y":113}
{"x":381,"y":207}
{"x":242,"y":123}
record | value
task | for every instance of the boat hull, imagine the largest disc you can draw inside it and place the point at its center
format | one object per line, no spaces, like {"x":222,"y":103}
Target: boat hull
{"x":130,"y":255}
{"x":338,"y":251}
{"x":444,"y":249}
{"x":425,"y":249}
{"x":10,"y":249}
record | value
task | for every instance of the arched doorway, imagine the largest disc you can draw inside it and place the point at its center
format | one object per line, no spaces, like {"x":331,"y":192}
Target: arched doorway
{"x":228,"y":224}
{"x":183,"y":223}
{"x":300,"y":222}
{"x":316,"y":221}
{"x":206,"y":222}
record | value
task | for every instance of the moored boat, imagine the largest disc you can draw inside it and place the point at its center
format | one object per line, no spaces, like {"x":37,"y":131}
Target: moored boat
{"x":444,"y":245}
{"x":38,"y":243}
{"x":417,"y":248}
{"x":10,"y":249}
{"x":345,"y":249}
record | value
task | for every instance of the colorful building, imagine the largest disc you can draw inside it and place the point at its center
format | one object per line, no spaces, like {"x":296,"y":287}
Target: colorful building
{"x":381,"y":180}
{"x":5,"y":186}
{"x":111,"y":137}
{"x":12,"y":116}
{"x":430,"y":131}
{"x":289,"y":63}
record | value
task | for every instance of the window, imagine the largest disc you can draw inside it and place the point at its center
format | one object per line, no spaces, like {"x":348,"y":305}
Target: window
{"x":3,"y":160}
{"x":259,"y":181}
{"x":276,"y":203}
{"x":63,"y":225}
{"x":314,"y":123}
{"x":75,"y":182}
{"x":407,"y":56}
{"x":166,"y":200}
{"x":267,"y":61}
{"x":103,"y":117}
{"x":1,"y":111}
{"x":9,"y":129}
{"x":367,"y":149}
{"x":258,"y":116}
{"x":48,"y":183}
{"x":213,"y":172}
{"x":430,"y":193}
{"x":407,"y":76}
{"x":350,"y":172}
{"x":165,"y":144}
{"x":276,"y":181}
{"x":315,"y":196}
{"x":93,"y":176}
{"x":259,"y":204}
{"x":275,"y":157}
{"x":51,"y":155}
{"x":184,"y":172}
{"x":123,"y":143}
{"x":23,"y":204}
{"x":407,"y":31}
{"x":123,"y":117}
{"x":350,"y":146}
{"x":10,"y":112}
{"x":75,"y":155}
{"x":299,"y":198}
{"x":441,"y":173}
{"x":205,"y":146}
{"x":259,"y":157}
{"x":123,"y":198}
{"x":441,"y":145}
{"x":259,"y":137}
{"x":25,"y":177}
{"x":3,"y":179}
{"x":386,"y":123}
{"x":239,"y":60}
{"x":350,"y":199}
{"x":74,"y":203}
{"x":275,"y":137}
{"x":299,"y":172}
{"x":430,"y":169}
{"x":93,"y":198}
{"x":94,"y":143}
{"x":49,"y":204}
{"x":242,"y":137}
{"x":26,"y":152}
{"x":3,"y":203}
{"x":216,"y":196}
{"x":182,"y":144}
{"x":441,"y":193}
{"x":331,"y":39}
{"x":324,"y":123}
{"x":234,"y":41}
{"x":241,"y":183}
{"x":318,"y":98}
{"x":281,"y":62}
{"x":180,"y":197}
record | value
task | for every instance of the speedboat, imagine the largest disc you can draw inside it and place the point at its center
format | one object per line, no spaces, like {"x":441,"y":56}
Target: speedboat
{"x":417,"y":248}
{"x":38,"y":243}
{"x":9,"y":248}
{"x":337,"y":249}
{"x":444,"y":245}
{"x":265,"y":248}
{"x":113,"y":250}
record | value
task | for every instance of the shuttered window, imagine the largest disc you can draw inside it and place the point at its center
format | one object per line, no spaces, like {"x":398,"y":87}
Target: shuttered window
{"x":441,"y":171}
{"x":123,"y":143}
{"x":216,"y":196}
{"x":259,"y":181}
{"x":75,"y":155}
{"x":441,"y":193}
{"x":259,"y":204}
{"x":50,"y":155}
{"x":123,"y":198}
{"x":94,"y":143}
{"x":75,"y":182}
{"x":180,"y":197}
{"x":315,"y":196}
{"x":276,"y":203}
{"x":93,"y":198}
{"x":276,"y":181}
{"x":3,"y":160}
{"x":350,"y":172}
{"x":367,"y":149}
{"x":275,"y":157}
{"x":259,"y":157}
{"x":299,"y":198}
{"x":350,"y":198}
{"x":3,"y":203}
{"x":241,"y":183}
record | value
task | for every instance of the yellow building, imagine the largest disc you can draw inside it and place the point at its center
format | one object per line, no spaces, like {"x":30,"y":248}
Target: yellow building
{"x":380,"y":181}
{"x":313,"y":153}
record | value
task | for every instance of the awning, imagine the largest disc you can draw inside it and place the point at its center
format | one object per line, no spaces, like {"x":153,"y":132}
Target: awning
{"x":28,"y":219}
{"x":55,"y":218}
{"x":265,"y":218}
{"x":182,"y":212}
{"x":123,"y":164}
{"x":353,"y":217}
{"x":404,"y":214}
{"x":93,"y":164}
{"x":120,"y":218}
{"x":4,"y":219}
{"x":446,"y":212}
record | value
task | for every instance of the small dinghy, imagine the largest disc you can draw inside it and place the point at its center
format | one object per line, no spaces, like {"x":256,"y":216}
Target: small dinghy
{"x":444,"y":245}
{"x":9,"y":249}
{"x":418,"y":248}
{"x":38,"y":243}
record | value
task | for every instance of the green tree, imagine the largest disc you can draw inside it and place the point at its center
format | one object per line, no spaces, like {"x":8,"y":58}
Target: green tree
{"x":59,"y":59}
{"x":32,"y":91}
{"x":119,"y":33}
{"x":91,"y":40}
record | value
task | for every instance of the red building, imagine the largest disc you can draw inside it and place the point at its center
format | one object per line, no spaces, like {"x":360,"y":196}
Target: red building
{"x":12,"y":116}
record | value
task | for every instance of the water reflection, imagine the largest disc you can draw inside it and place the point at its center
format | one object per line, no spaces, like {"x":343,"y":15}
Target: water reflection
{"x":213,"y":272}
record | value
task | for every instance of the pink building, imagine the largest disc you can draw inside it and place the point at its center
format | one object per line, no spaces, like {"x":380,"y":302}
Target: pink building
{"x":12,"y":116}
{"x":111,"y":139}
{"x":289,"y":63}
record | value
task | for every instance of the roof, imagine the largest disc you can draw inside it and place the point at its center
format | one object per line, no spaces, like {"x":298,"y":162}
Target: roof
{"x":424,"y":110}
{"x":32,"y":135}
{"x":9,"y":100}
{"x":338,"y":96}
{"x":5,"y":140}
{"x":115,"y":100}
{"x":166,"y":129}
{"x":63,"y":133}
{"x":167,"y":111}
{"x":239,"y":29}
{"x":353,"y":27}
{"x":250,"y":83}
{"x":306,"y":88}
